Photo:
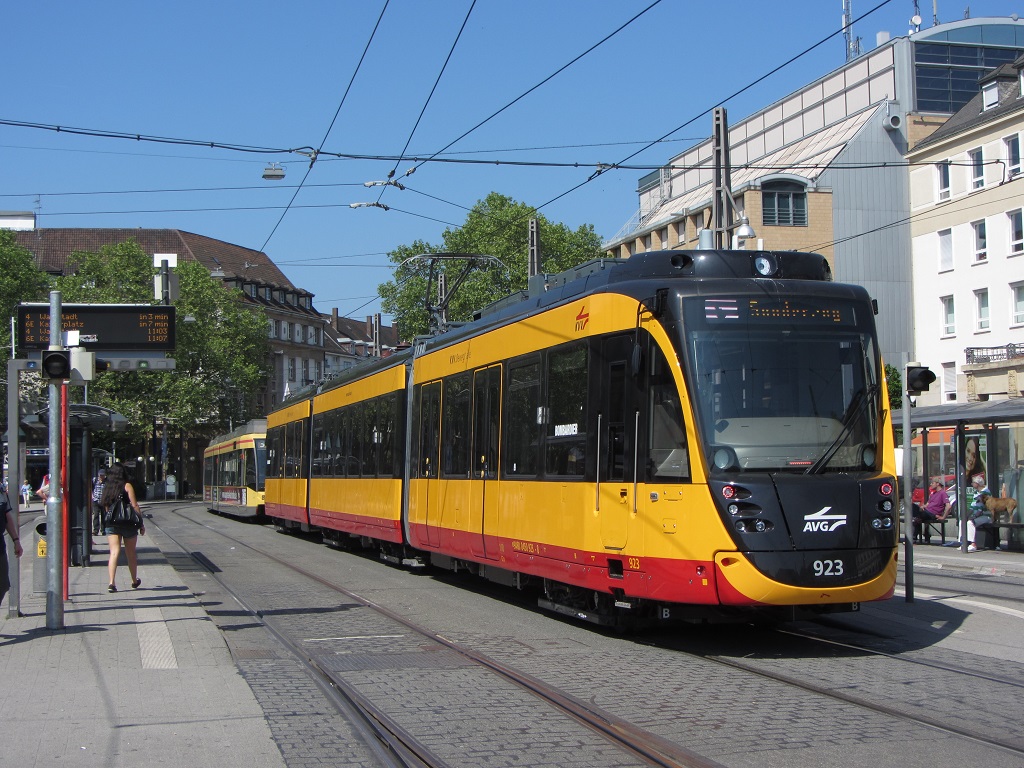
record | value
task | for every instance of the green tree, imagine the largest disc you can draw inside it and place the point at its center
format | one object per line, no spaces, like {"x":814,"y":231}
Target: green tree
{"x":20,"y":281}
{"x":496,"y":226}
{"x":222,"y":351}
{"x":894,"y":385}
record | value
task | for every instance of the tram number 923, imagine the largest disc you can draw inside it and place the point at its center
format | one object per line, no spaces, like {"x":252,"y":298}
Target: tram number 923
{"x":828,"y":567}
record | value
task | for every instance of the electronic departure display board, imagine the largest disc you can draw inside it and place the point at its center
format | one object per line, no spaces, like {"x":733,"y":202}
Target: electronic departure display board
{"x":101,"y":327}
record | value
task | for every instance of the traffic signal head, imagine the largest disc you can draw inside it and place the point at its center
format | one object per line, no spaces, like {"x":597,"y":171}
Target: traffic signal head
{"x":102,"y":365}
{"x":56,"y":364}
{"x":919,"y":378}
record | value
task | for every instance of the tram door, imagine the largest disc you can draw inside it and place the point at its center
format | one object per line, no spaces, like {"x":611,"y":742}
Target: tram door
{"x":484,"y":456}
{"x":616,"y":430}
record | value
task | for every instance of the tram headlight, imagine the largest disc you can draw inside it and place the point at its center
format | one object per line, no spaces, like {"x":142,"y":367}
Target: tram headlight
{"x":760,"y":526}
{"x":886,"y":505}
{"x":724,"y":458}
{"x":734,"y":509}
{"x":867,"y":456}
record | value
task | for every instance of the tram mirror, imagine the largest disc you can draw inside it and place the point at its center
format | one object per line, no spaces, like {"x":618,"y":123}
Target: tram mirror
{"x":636,"y":359}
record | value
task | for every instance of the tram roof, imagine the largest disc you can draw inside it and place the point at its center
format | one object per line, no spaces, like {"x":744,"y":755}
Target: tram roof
{"x":987,"y":412}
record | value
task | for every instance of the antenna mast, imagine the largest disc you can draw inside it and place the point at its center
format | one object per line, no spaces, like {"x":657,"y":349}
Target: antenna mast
{"x":852,"y":43}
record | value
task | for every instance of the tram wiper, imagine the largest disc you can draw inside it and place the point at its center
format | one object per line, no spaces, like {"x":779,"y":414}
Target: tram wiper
{"x":853,"y":413}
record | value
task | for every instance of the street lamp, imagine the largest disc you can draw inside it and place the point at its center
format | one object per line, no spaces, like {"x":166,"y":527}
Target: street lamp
{"x":273,"y":172}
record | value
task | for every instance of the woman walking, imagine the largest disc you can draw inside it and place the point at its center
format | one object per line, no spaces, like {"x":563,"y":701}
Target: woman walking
{"x":118,"y":487}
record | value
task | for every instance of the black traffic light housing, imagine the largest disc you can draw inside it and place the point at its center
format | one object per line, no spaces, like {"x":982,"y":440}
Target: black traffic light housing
{"x":102,"y":366}
{"x":918,"y":379}
{"x":56,"y":364}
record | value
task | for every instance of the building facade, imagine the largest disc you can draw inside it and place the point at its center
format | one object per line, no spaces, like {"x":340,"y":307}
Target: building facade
{"x":823,"y":169}
{"x":967,"y":227}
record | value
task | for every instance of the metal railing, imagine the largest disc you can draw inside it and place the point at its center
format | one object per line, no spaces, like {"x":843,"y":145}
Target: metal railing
{"x":994,"y":354}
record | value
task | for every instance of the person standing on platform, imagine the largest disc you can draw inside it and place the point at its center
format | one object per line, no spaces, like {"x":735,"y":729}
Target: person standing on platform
{"x":118,"y":487}
{"x":11,"y":526}
{"x":26,"y":493}
{"x":97,"y":494}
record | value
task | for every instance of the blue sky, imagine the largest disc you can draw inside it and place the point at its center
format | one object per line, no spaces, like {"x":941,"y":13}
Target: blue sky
{"x":273,"y":74}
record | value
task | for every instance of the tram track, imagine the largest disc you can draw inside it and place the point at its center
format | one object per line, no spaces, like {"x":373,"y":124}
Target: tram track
{"x":400,"y":745}
{"x":936,"y":721}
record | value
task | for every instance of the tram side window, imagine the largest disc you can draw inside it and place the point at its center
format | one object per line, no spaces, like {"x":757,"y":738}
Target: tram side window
{"x":208,"y":471}
{"x":455,"y":417}
{"x":667,"y":456}
{"x":522,"y":416}
{"x":428,"y":407}
{"x":357,"y":435}
{"x":275,"y":450}
{"x":330,"y":443}
{"x":387,"y":418}
{"x":566,"y":417}
{"x":319,"y":445}
{"x":344,"y":464}
{"x":295,"y":462}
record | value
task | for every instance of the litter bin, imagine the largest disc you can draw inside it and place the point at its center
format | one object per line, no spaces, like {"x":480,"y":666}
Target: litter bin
{"x":39,"y":561}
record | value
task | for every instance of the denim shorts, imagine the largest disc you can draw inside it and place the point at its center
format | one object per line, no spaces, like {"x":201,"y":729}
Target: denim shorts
{"x":124,"y":531}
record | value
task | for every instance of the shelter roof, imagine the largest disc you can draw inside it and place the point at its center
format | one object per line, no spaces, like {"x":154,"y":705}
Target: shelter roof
{"x":988,"y":412}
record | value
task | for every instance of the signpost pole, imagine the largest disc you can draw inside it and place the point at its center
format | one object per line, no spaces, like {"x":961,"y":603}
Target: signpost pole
{"x":54,"y":529}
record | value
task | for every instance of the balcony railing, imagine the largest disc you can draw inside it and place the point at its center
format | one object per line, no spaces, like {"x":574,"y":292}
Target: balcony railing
{"x":994,"y":354}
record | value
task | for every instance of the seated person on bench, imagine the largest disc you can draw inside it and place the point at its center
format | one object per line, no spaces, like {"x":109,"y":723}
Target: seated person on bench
{"x":936,"y":510}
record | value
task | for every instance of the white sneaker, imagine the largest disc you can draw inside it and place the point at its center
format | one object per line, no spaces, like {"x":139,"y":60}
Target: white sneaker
{"x":972,"y":548}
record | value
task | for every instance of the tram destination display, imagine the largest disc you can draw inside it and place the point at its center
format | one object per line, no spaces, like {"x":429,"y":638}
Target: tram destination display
{"x":101,"y":327}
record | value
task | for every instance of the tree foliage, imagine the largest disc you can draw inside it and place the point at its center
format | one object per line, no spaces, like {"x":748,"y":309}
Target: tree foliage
{"x":20,"y":281}
{"x":496,"y":226}
{"x":222,"y":351}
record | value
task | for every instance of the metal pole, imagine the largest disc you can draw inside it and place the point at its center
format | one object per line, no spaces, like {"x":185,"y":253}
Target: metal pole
{"x":908,"y":499}
{"x":15,"y":452}
{"x":54,"y":532}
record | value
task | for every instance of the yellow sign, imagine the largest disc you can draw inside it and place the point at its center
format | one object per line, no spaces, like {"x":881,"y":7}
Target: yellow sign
{"x":41,"y":548}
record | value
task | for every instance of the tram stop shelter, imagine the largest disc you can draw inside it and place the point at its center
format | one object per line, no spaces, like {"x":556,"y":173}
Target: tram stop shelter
{"x":83,"y":420}
{"x":998,"y":425}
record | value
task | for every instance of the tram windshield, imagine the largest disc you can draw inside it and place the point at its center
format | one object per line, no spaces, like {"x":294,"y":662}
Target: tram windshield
{"x":784,"y":383}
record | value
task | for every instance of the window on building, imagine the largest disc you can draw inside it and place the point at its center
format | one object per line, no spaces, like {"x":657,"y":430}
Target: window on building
{"x":311,"y":335}
{"x":942,"y":176}
{"x":945,"y":250}
{"x":981,"y":309}
{"x":784,"y":204}
{"x":305,"y":371}
{"x":273,"y":328}
{"x":990,"y":96}
{"x":948,"y":316}
{"x":1012,"y":146}
{"x":285,"y":330}
{"x":291,"y":369}
{"x":1017,"y":310}
{"x":980,"y":241}
{"x":1016,"y":231}
{"x":977,"y":158}
{"x":949,"y":381}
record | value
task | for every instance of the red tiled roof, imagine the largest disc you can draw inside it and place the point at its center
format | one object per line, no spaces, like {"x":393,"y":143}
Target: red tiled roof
{"x":52,"y":247}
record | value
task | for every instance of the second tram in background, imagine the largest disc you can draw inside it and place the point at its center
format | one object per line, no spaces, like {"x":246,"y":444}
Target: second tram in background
{"x":676,"y":435}
{"x":234,"y":471}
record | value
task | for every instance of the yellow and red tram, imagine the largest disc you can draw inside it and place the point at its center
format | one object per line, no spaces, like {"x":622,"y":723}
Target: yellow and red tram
{"x":662,"y":437}
{"x":234,"y":471}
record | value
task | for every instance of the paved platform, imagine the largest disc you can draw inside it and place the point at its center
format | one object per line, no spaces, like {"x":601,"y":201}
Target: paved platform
{"x":144,"y":678}
{"x":135,"y":678}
